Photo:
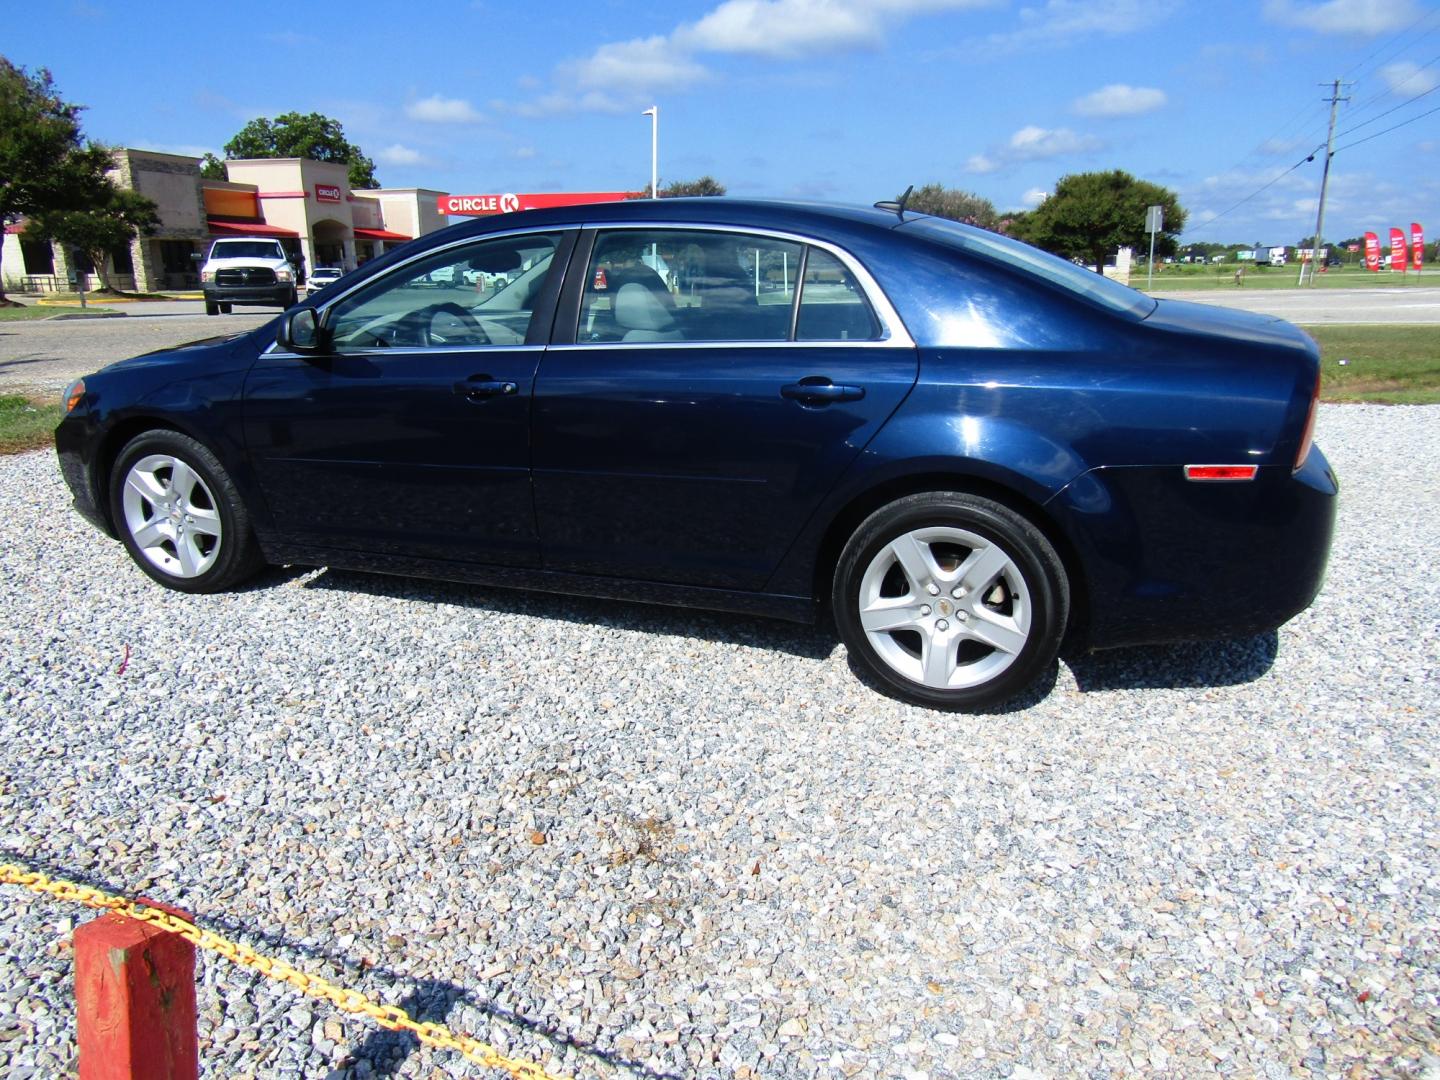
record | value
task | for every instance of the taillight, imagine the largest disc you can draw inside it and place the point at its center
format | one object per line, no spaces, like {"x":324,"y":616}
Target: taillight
{"x":1309,"y":434}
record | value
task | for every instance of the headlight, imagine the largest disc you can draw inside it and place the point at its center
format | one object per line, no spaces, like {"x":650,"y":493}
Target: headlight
{"x":74,"y":394}
{"x":283,"y":275}
{"x":207,"y":275}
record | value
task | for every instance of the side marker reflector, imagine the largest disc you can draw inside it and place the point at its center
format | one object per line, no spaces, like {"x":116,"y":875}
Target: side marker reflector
{"x":1221,"y":472}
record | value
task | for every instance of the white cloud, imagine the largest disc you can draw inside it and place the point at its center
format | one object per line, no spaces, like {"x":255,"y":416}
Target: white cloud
{"x":622,"y":74}
{"x":795,"y":27}
{"x":442,"y":110}
{"x":1033,"y":143}
{"x":1033,"y":198}
{"x":524,"y":153}
{"x":1117,"y":99}
{"x":1285,"y":147}
{"x":1368,"y":17}
{"x":397,"y":154}
{"x":1405,"y":78}
{"x":1066,"y":20}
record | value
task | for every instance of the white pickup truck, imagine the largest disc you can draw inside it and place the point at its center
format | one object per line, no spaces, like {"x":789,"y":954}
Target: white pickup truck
{"x":249,"y":271}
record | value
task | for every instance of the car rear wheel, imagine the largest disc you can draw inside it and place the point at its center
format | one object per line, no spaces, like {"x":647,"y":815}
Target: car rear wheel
{"x":951,"y":600}
{"x":179,"y":515}
{"x":225,"y":309}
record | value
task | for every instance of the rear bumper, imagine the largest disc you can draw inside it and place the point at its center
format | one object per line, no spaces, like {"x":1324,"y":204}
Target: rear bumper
{"x":1166,"y":559}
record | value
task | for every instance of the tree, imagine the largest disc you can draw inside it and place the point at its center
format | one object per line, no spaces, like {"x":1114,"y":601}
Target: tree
{"x":43,"y":164}
{"x":1093,"y":214}
{"x":954,"y":204}
{"x":211,"y":167}
{"x":312,"y":136}
{"x":112,"y":220}
{"x":705,"y":185}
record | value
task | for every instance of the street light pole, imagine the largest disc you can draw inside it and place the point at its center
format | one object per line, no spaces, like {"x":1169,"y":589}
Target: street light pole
{"x":654,"y":113}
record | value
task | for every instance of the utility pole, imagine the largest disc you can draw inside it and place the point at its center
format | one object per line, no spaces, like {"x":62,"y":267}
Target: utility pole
{"x":1335,"y":100}
{"x":654,"y":113}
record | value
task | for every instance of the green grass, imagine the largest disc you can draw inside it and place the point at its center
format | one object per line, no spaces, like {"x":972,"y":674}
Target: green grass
{"x":21,"y":314}
{"x":1222,"y":276}
{"x":26,"y":425}
{"x":1398,"y":365}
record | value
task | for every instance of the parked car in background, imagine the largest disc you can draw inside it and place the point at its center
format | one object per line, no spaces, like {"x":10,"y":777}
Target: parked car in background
{"x":251,"y":271}
{"x":322,"y":276}
{"x":962,"y":450}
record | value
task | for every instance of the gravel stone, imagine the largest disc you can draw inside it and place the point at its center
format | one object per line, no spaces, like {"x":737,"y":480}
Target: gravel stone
{"x":1204,"y":859}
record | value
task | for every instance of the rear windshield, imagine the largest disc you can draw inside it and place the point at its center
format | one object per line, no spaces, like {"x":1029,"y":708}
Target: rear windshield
{"x":246,"y":249}
{"x":1091,"y":286}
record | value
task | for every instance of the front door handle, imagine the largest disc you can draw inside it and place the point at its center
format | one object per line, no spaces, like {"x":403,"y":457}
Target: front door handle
{"x":818,"y":390}
{"x":482,"y":386}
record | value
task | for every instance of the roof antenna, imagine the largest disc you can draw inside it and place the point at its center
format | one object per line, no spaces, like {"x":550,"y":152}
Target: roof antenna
{"x":897,"y":206}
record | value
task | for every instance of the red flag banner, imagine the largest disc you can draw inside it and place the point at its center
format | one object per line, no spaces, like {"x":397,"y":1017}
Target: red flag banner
{"x":1417,"y":245}
{"x":1398,"y":256}
{"x":1372,"y":251}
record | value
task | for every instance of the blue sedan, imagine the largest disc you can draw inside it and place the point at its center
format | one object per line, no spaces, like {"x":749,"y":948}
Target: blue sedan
{"x":963,"y":450}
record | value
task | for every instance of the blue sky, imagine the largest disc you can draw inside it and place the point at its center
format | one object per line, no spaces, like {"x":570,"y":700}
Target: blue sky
{"x":841,"y":100}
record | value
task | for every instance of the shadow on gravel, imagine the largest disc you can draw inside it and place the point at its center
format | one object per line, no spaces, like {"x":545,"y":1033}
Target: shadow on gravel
{"x":813,"y":642}
{"x":426,"y":999}
{"x":1177,"y":667}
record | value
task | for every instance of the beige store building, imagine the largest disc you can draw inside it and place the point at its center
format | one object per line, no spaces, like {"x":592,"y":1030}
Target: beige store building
{"x":308,"y":205}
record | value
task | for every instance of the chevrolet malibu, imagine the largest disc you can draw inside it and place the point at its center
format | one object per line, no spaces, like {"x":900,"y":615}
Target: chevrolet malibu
{"x":963,"y":450}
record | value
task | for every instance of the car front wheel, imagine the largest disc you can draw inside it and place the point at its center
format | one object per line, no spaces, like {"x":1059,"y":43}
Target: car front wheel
{"x":951,"y":600}
{"x":179,"y":515}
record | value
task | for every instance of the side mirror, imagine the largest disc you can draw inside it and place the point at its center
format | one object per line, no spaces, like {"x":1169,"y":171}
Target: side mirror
{"x":197,"y":256}
{"x":300,"y":331}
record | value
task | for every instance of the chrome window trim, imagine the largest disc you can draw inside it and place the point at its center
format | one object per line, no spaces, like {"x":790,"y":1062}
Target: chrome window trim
{"x":894,"y":335}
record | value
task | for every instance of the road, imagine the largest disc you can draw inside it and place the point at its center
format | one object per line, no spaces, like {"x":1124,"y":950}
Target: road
{"x":42,"y":357}
{"x":1322,"y":306}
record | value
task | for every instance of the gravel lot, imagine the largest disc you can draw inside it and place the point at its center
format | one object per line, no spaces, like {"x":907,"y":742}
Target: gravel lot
{"x":640,"y":842}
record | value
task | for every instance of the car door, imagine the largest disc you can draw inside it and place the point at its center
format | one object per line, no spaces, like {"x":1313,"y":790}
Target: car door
{"x":410,"y":435}
{"x":706,"y":389}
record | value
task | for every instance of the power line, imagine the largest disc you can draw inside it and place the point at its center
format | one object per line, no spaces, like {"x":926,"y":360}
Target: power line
{"x":1390,"y":40}
{"x":1386,"y":131}
{"x":1387,"y":112}
{"x":1395,"y":89}
{"x":1264,"y":187}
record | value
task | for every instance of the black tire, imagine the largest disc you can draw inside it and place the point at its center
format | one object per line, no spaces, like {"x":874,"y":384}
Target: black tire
{"x":212,"y":308}
{"x":225,"y":309}
{"x":221,"y":550}
{"x":293,"y":300}
{"x":1031,"y":607}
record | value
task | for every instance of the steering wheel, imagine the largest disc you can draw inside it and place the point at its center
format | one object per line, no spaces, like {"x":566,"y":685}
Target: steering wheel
{"x":419,"y":324}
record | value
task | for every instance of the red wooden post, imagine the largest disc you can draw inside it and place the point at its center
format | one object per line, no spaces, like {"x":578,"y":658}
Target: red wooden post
{"x":135,"y":1002}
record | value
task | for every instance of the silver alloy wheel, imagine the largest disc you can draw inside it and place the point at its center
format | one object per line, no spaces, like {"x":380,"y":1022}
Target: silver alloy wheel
{"x":172,"y":515}
{"x":944,"y":607}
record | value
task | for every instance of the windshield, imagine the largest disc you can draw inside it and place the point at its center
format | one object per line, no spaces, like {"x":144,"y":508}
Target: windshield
{"x":1057,"y":271}
{"x":247,"y":249}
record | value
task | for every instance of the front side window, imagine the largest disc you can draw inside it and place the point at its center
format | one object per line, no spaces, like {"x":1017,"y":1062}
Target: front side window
{"x":478,"y":294}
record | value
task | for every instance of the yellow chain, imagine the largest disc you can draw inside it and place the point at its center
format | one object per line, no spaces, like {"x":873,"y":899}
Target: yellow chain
{"x":343,"y":998}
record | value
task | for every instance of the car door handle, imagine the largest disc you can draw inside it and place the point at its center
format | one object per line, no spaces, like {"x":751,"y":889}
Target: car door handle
{"x":818,"y":390}
{"x":482,"y":387}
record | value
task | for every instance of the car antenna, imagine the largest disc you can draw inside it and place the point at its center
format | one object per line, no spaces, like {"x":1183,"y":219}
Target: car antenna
{"x":897,"y":205}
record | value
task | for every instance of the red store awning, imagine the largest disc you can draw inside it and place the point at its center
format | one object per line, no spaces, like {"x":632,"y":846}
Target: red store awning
{"x":248,"y":228}
{"x":380,"y":234}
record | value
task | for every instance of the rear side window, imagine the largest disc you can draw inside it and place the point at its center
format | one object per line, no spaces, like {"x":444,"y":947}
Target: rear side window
{"x":676,"y":285}
{"x":832,"y":304}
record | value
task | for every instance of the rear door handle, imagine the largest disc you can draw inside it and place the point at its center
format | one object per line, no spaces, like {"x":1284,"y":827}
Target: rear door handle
{"x":482,"y":386}
{"x":818,"y":390}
